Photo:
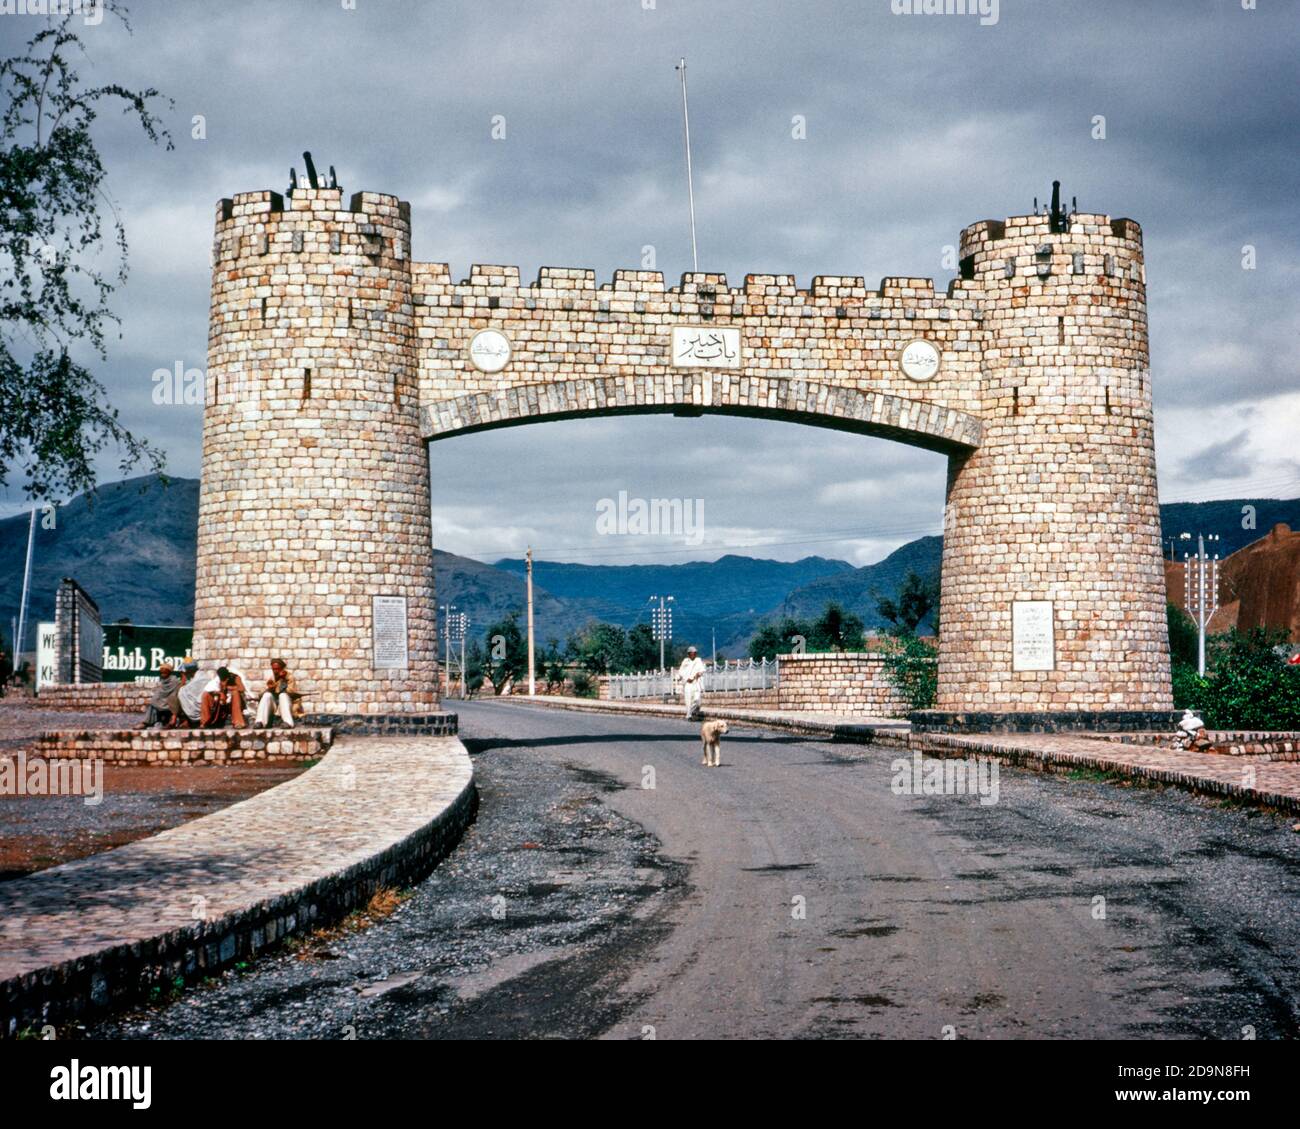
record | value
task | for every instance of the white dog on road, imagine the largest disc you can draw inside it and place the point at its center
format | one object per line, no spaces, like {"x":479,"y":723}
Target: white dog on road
{"x":711,"y":738}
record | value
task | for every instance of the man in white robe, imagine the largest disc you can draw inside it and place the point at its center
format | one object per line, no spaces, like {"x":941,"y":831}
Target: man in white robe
{"x":691,"y":672}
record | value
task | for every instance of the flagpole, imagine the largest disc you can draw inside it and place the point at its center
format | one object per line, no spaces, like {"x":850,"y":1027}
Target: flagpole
{"x":690,"y":182}
{"x":27,"y":581}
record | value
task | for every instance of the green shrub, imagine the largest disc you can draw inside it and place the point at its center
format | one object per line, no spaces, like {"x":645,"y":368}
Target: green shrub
{"x":1248,"y":684}
{"x":912,"y":667}
{"x":584,"y":686}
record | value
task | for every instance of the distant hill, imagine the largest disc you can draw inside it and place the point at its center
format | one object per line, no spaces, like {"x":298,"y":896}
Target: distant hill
{"x":133,"y":549}
{"x":726,"y":596}
{"x":1225,"y":519}
{"x":858,"y":589}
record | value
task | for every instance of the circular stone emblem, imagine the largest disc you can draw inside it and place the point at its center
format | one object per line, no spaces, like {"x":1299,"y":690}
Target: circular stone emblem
{"x":489,"y":350}
{"x":919,"y":360}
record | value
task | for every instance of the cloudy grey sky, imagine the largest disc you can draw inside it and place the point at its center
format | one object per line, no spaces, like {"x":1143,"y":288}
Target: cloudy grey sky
{"x":916,"y":126}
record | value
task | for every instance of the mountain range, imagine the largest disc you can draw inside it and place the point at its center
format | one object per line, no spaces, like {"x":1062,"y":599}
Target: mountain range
{"x":132,"y":547}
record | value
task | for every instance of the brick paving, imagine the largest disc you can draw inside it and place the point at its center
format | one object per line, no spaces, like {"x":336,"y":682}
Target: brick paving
{"x":365,"y":800}
{"x":1259,"y":779}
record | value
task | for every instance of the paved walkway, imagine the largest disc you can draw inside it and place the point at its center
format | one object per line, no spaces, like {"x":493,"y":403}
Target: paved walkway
{"x":1252,"y":779}
{"x":358,"y":808}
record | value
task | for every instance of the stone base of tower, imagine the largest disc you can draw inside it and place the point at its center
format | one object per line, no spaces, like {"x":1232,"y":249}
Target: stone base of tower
{"x":437,"y":724}
{"x":1044,"y":721}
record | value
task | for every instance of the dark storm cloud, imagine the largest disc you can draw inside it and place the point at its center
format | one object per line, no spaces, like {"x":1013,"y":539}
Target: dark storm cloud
{"x":916,"y":126}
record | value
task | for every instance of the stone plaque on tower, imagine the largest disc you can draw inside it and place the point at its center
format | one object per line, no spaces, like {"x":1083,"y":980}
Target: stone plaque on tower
{"x":1033,"y":638}
{"x":389,"y":626}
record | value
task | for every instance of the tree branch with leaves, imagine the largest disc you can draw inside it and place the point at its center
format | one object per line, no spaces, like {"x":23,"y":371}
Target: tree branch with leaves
{"x":54,"y":294}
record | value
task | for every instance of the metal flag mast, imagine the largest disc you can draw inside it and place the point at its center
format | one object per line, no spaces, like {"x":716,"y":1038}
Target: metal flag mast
{"x":27,"y":582}
{"x":690,"y":182}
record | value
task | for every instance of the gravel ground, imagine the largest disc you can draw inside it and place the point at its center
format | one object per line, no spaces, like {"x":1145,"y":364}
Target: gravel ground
{"x":42,"y":831}
{"x":547,"y":878}
{"x":810,"y":900}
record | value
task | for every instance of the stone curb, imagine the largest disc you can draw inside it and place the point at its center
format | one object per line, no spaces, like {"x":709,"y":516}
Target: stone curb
{"x":125,"y":950}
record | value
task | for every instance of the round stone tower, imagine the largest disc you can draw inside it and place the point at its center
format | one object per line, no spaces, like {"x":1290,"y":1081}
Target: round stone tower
{"x":314,"y":539}
{"x":1053,"y":590}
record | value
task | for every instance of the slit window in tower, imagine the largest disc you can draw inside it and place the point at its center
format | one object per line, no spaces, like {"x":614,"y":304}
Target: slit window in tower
{"x":306,"y":384}
{"x":1015,"y":401}
{"x":1060,"y":331}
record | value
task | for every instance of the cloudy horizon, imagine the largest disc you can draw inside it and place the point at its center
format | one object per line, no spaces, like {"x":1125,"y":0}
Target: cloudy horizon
{"x":914,"y":127}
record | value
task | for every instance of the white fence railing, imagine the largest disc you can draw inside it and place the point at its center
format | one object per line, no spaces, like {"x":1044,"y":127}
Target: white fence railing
{"x":740,"y":674}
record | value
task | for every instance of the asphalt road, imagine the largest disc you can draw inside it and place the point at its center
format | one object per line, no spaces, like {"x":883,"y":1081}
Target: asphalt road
{"x":789,"y":893}
{"x":820,"y":903}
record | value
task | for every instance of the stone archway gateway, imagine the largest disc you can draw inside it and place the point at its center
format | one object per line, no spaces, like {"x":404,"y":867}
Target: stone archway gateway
{"x":334,"y":359}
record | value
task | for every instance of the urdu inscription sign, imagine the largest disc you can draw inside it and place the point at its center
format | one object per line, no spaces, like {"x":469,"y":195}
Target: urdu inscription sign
{"x":1033,"y":636}
{"x":389,"y":633}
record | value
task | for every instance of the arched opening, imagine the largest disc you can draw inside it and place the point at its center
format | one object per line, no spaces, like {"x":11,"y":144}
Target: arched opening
{"x":750,"y":518}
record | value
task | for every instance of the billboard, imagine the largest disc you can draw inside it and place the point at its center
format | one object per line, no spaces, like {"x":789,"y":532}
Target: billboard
{"x":47,"y":645}
{"x":133,"y":651}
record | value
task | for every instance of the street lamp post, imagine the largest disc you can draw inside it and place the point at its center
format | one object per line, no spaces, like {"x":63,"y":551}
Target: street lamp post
{"x":1204,"y":603}
{"x":661,"y":619}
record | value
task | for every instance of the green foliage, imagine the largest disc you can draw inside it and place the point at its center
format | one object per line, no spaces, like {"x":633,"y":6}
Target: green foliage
{"x":913,"y":668}
{"x":917,"y":601}
{"x":1183,"y":647}
{"x":1248,"y":684}
{"x":506,"y":653}
{"x":642,"y":649}
{"x":584,"y":686}
{"x":834,"y":630}
{"x":605,"y":648}
{"x":54,"y":293}
{"x":601,"y":648}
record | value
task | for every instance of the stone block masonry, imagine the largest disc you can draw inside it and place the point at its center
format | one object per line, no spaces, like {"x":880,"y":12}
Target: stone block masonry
{"x":134,"y":748}
{"x":106,"y":697}
{"x":840,"y":683}
{"x":335,"y":358}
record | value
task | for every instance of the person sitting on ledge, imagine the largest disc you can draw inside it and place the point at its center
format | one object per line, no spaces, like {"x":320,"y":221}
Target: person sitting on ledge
{"x":223,"y":699}
{"x":161,"y":705}
{"x":281,"y":694}
{"x":186,"y":702}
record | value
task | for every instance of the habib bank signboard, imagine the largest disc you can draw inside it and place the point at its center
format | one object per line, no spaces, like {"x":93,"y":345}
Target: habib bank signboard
{"x":133,"y":651}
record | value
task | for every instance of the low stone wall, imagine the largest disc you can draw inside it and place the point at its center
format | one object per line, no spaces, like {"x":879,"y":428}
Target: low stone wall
{"x":1065,"y":721}
{"x":742,"y":699}
{"x":1279,"y":745}
{"x":108,"y":930}
{"x":163,"y":747}
{"x":441,"y":724}
{"x":97,"y":697}
{"x":852,"y":682}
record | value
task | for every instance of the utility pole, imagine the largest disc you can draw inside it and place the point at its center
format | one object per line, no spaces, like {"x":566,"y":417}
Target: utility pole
{"x":690,"y":182}
{"x":464,"y":630}
{"x":714,"y":632}
{"x":21,"y":630}
{"x":532,"y":667}
{"x":446,"y":649}
{"x":1202,"y":602}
